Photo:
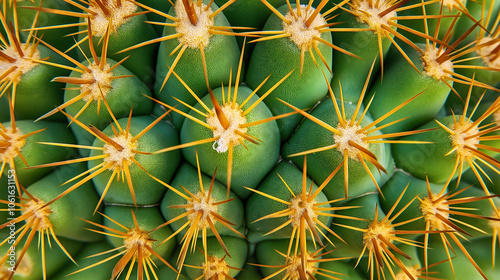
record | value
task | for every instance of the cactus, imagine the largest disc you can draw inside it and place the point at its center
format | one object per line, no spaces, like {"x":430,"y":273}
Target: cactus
{"x":249,"y":139}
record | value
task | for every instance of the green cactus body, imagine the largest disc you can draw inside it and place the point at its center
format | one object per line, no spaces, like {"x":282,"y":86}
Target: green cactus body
{"x":475,"y":210}
{"x":350,"y":72}
{"x":146,"y":189}
{"x":4,"y":109}
{"x":86,"y":258}
{"x":395,"y":89}
{"x":27,"y":11}
{"x":325,"y":162}
{"x":147,"y":219}
{"x":79,"y":203}
{"x":343,"y":270}
{"x":218,"y":262}
{"x":221,"y":54}
{"x":157,"y":5}
{"x":278,"y":57}
{"x":4,"y":215}
{"x":34,"y":86}
{"x":30,"y":149}
{"x":256,"y":13}
{"x":481,"y":62}
{"x":461,"y":264}
{"x":124,"y":31}
{"x":478,"y":12}
{"x":429,"y":160}
{"x":444,"y":15}
{"x":250,"y":163}
{"x":411,"y":264}
{"x":186,"y":177}
{"x":29,"y":269}
{"x":138,"y":238}
{"x":250,"y":271}
{"x":353,"y":245}
{"x":123,"y":95}
{"x":224,"y":139}
{"x":469,"y":177}
{"x":415,"y":188}
{"x":274,"y":186}
{"x":274,"y":254}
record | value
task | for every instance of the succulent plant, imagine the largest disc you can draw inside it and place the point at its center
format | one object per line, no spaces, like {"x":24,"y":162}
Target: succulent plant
{"x":249,"y":139}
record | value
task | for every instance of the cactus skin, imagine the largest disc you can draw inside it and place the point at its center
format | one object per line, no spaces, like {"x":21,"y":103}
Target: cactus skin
{"x":191,"y":65}
{"x":277,"y":58}
{"x":323,"y":163}
{"x":35,"y":87}
{"x":83,"y":258}
{"x":32,"y":153}
{"x":250,"y":163}
{"x":147,"y":190}
{"x":390,"y":93}
{"x":248,"y":231}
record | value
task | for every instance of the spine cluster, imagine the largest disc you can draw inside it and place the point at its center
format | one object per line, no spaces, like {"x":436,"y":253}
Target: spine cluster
{"x":249,"y":139}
